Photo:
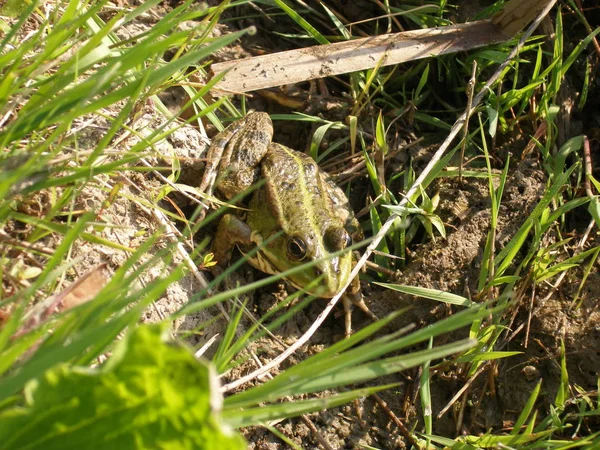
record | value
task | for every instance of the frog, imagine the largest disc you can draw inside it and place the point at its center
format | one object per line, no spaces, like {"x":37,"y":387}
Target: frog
{"x":296,"y":214}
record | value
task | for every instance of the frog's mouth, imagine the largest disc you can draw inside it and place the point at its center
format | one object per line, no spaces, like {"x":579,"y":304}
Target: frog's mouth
{"x":320,"y":290}
{"x":262,"y":263}
{"x":317,"y":289}
{"x":323,"y":289}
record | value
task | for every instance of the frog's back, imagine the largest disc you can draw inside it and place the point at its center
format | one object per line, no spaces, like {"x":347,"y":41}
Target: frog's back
{"x":297,"y":191}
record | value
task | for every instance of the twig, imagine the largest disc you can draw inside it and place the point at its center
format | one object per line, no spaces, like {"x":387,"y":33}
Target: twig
{"x":206,"y":346}
{"x":389,"y":222}
{"x":461,"y":415}
{"x":470,"y":92}
{"x":391,"y":17}
{"x":529,"y":316}
{"x":315,"y":432}
{"x":463,"y":389}
{"x":587,"y":26}
{"x":587,"y":166}
{"x":4,"y":237}
{"x":405,"y":432}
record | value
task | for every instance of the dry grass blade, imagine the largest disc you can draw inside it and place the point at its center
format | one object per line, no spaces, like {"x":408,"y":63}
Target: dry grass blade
{"x":295,"y":66}
{"x":517,"y":14}
{"x":82,"y":290}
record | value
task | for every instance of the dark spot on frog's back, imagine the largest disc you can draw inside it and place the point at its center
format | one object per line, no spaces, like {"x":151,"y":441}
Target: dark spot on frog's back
{"x":310,"y":169}
{"x":288,"y":186}
{"x":259,"y":136}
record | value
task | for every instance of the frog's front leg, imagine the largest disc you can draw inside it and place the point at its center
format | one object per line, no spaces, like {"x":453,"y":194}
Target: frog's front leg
{"x":231,"y":231}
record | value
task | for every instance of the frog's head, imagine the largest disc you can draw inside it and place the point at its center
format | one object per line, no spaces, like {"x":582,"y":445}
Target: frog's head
{"x":328,"y":266}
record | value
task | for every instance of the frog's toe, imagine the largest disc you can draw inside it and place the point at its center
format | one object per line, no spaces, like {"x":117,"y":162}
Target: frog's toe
{"x":350,"y":301}
{"x":360,"y":303}
{"x":347,"y":316}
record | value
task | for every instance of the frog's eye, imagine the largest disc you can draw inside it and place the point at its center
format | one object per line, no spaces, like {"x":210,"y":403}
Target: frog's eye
{"x":296,"y":248}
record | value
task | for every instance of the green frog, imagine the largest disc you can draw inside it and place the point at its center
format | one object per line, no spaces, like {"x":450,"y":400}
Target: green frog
{"x":296,"y":215}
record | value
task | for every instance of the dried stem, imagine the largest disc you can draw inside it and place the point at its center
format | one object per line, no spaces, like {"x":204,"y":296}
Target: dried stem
{"x":470,"y":92}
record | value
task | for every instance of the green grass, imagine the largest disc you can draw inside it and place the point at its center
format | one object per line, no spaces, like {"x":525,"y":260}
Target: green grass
{"x":95,"y":373}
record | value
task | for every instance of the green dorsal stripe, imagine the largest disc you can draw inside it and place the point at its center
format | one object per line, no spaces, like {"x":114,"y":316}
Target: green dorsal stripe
{"x":308,"y":210}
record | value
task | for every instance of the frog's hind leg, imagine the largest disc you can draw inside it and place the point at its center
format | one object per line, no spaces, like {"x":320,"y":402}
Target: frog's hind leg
{"x":354,"y":300}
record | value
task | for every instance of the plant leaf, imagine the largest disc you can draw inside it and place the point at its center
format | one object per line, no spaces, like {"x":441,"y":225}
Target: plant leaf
{"x":148,"y":395}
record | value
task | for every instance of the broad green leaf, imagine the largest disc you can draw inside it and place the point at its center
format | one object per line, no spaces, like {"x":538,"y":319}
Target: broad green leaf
{"x":493,"y":120}
{"x":437,"y":222}
{"x":148,"y":395}
{"x":572,"y":145}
